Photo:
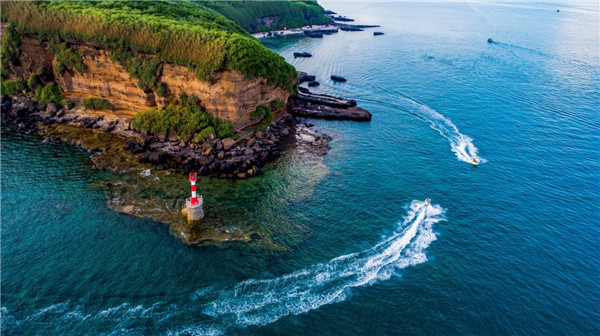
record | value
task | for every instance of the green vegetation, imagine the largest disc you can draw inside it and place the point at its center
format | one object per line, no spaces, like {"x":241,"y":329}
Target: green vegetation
{"x":9,"y":48}
{"x":183,"y":117}
{"x":35,"y":79}
{"x":263,"y":112}
{"x":181,"y":32}
{"x":145,"y":70}
{"x":97,"y":104}
{"x":13,"y":86}
{"x":205,"y":134}
{"x":49,"y":94}
{"x":255,"y":15}
{"x":260,"y":112}
{"x":66,"y":58}
{"x":277,"y":104}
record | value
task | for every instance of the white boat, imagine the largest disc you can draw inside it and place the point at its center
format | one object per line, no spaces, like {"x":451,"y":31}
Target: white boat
{"x":427,"y":200}
{"x":475,"y":162}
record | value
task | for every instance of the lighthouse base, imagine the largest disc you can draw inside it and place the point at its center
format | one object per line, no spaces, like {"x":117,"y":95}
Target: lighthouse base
{"x":194,"y":215}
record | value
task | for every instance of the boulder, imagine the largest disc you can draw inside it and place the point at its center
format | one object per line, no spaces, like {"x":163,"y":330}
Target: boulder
{"x":152,"y":157}
{"x":338,"y":78}
{"x":313,"y":84}
{"x":304,"y":77}
{"x":6,"y":105}
{"x":227,"y":143}
{"x":173,"y":137}
{"x":162,"y":136}
{"x":51,"y":108}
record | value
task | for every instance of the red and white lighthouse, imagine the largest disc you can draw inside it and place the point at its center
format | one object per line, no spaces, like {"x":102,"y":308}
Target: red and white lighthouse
{"x":194,"y":199}
{"x":193,"y":205}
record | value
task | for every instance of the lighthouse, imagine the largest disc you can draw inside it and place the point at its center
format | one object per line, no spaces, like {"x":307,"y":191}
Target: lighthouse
{"x":193,"y":205}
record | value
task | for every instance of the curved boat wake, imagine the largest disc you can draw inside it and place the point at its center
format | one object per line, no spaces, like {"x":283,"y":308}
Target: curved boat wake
{"x":461,"y":144}
{"x":260,"y":302}
{"x":257,"y":302}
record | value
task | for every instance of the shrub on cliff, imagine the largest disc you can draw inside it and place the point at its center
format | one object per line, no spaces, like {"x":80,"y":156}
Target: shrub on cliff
{"x":145,"y":70}
{"x":50,"y":93}
{"x":9,"y":48}
{"x":277,"y":104}
{"x":260,"y":112}
{"x":181,"y":32}
{"x":183,"y":117}
{"x":11,"y":87}
{"x":97,"y":104}
{"x":264,"y":113}
{"x":66,"y":57}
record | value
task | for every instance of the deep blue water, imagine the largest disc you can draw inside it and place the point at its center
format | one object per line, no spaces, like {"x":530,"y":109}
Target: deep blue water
{"x":508,"y":247}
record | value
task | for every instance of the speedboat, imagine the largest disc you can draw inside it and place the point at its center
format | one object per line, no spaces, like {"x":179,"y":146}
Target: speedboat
{"x":427,"y":201}
{"x":475,"y":162}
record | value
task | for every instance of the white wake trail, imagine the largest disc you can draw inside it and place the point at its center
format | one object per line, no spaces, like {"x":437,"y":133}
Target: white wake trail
{"x":260,"y":302}
{"x":461,"y":144}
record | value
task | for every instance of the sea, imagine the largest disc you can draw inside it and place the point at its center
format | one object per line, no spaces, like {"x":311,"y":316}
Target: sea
{"x":509,"y":247}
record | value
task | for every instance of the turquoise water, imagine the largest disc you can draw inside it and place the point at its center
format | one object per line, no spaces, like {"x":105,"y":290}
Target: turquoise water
{"x":508,"y":247}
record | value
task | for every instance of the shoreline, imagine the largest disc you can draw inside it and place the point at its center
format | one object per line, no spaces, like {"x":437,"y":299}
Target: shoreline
{"x":107,"y":139}
{"x":224,"y":158}
{"x":293,"y":31}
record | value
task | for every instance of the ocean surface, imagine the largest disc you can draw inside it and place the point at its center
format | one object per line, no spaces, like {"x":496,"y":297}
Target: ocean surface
{"x":506,"y":248}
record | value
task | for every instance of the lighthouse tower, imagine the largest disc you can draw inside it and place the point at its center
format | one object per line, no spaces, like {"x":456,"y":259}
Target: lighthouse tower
{"x":193,"y":205}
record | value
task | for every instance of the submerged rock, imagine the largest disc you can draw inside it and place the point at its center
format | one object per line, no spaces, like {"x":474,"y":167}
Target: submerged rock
{"x":338,"y":78}
{"x":302,"y":54}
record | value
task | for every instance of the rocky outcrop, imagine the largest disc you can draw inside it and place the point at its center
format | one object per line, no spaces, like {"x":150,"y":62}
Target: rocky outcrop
{"x":227,"y":158}
{"x":226,"y":95}
{"x":309,"y":105}
{"x":323,"y":99}
{"x":304,"y":77}
{"x":338,"y":78}
{"x":307,"y":110}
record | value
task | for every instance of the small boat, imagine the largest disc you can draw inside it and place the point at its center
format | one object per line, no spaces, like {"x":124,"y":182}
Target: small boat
{"x":475,"y":162}
{"x":427,"y":201}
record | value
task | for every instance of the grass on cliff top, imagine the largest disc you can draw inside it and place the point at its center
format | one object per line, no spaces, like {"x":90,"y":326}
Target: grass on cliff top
{"x":181,"y":32}
{"x":289,"y":14}
{"x":185,"y":118}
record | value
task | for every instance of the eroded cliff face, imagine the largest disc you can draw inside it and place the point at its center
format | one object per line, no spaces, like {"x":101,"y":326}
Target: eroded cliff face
{"x":227,"y":95}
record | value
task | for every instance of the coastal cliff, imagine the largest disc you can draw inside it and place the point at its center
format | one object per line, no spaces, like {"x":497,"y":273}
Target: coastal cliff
{"x":227,"y":95}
